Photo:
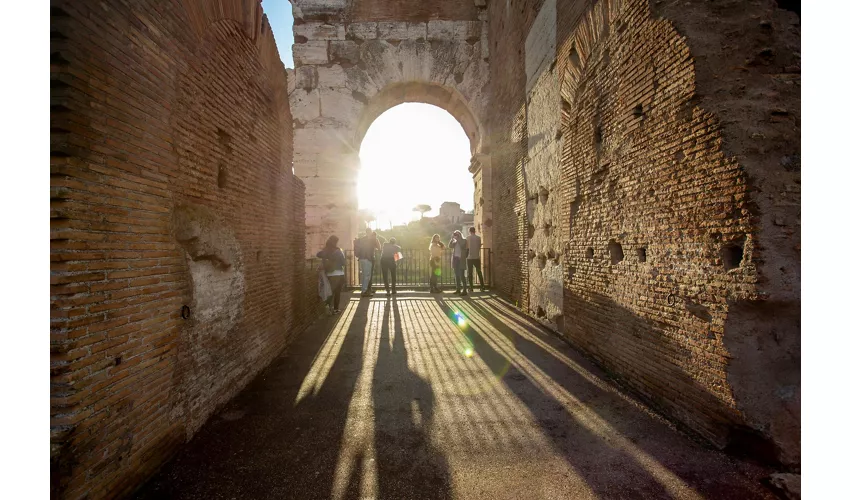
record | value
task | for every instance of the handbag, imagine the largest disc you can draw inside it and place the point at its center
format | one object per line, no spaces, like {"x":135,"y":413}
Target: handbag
{"x":397,"y":256}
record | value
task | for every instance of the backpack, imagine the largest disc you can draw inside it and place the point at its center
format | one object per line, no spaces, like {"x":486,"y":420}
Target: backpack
{"x":328,"y":264}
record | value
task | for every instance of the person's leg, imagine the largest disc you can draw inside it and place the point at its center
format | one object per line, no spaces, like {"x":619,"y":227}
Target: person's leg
{"x":480,"y":274}
{"x":366,"y":266}
{"x":336,"y":286}
{"x":432,"y":279}
{"x":385,"y":269}
{"x":463,"y":277}
{"x":392,"y":270}
{"x":458,"y":272}
{"x":469,"y":273}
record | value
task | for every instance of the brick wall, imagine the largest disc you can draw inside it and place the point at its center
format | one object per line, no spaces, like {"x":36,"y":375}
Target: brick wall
{"x":679,"y":203}
{"x":171,"y":186}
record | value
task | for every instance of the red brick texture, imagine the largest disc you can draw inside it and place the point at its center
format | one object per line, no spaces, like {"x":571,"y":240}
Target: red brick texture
{"x":171,"y":186}
{"x":681,"y":273}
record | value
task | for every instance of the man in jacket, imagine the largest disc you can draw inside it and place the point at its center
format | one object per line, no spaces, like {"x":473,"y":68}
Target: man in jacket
{"x":460,"y":252}
{"x":474,"y":259}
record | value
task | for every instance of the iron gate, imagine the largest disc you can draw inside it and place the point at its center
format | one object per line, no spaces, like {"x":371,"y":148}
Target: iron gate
{"x":414,"y":271}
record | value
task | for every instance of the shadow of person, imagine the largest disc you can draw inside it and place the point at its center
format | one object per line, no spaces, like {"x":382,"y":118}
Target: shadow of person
{"x":273,"y":440}
{"x":408,"y":465}
{"x":706,"y":471}
{"x":607,"y":470}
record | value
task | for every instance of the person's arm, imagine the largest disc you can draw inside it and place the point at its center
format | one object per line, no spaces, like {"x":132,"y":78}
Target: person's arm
{"x":319,"y":254}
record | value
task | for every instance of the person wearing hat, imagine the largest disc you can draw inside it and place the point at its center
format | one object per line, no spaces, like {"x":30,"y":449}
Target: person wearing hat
{"x":460,"y":252}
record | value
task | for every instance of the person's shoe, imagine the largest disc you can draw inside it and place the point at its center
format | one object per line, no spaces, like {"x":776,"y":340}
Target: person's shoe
{"x":463,"y":293}
{"x":394,"y":292}
{"x":456,"y":292}
{"x":437,"y":290}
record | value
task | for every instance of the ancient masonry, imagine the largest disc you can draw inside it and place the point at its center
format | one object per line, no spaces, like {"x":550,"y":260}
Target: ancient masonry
{"x":354,"y":63}
{"x":636,"y":168}
{"x":177,"y":229}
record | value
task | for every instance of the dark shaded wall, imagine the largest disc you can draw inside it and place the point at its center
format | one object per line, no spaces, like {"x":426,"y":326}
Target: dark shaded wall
{"x":679,"y":203}
{"x":177,"y":228}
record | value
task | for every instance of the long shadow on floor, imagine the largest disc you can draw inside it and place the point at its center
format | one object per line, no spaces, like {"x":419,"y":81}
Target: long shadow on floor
{"x":610,"y":467}
{"x":263,"y":444}
{"x":408,"y":465}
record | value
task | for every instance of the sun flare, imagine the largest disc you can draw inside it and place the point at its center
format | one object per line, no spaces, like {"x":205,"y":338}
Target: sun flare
{"x":413,"y":154}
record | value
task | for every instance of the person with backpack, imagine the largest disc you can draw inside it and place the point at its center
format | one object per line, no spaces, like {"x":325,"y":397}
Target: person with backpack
{"x":364,"y":250}
{"x":388,"y":262}
{"x":333,"y":263}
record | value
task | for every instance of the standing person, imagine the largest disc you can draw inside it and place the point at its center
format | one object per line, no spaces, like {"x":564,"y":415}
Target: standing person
{"x":474,"y":259}
{"x":377,"y":244}
{"x":388,"y":262}
{"x":333,"y":261}
{"x":436,"y":249}
{"x":365,"y":251}
{"x":459,"y":253}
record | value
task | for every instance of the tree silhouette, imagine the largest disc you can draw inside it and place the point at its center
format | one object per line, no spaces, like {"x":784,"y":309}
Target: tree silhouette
{"x":422,"y":209}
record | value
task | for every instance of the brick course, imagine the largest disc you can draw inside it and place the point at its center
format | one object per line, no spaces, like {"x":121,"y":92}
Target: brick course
{"x":158,"y":110}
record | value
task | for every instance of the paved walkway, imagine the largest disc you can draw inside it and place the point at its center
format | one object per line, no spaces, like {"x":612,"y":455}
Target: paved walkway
{"x":395,"y":400}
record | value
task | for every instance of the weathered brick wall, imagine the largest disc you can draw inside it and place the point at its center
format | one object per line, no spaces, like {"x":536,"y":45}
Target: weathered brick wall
{"x":171,"y":186}
{"x":679,"y":203}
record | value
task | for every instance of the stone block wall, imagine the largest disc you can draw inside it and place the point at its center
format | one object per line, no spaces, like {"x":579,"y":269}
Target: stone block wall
{"x":177,"y":228}
{"x":355,"y":60}
{"x":659,"y":175}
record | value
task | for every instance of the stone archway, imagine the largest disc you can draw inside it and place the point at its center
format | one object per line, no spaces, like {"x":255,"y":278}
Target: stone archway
{"x":349,"y":72}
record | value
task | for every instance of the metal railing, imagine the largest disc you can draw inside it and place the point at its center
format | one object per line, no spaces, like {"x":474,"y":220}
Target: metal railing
{"x":414,"y":270}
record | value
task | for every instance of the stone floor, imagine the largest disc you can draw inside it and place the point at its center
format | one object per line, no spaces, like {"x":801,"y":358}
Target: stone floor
{"x":400,"y":399}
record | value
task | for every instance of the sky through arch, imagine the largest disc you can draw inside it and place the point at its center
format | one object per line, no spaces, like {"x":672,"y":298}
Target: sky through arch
{"x":413,"y":154}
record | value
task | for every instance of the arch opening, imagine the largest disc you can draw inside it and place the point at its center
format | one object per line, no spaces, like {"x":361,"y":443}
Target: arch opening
{"x":446,"y":98}
{"x":415,"y":155}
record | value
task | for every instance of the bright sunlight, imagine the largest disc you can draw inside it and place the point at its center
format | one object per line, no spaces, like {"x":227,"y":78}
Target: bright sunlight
{"x":413,"y":154}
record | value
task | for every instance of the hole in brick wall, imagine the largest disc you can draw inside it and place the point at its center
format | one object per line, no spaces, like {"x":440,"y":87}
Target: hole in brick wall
{"x":259,"y":253}
{"x":554,"y":257}
{"x":566,"y":107}
{"x":679,"y":155}
{"x":732,"y":254}
{"x":542,"y":194}
{"x":573,"y":58}
{"x":641,"y":253}
{"x":637,"y":112}
{"x":597,"y":137}
{"x":118,"y":361}
{"x":547,"y":229}
{"x":222,"y":175}
{"x":458,"y":77}
{"x":589,"y":252}
{"x":300,"y":39}
{"x":792,"y":5}
{"x":541,"y":260}
{"x":531,"y":231}
{"x":571,"y":271}
{"x":540,"y":312}
{"x":57,"y":59}
{"x":615,"y":250}
{"x":360,"y":97}
{"x":531,"y":254}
